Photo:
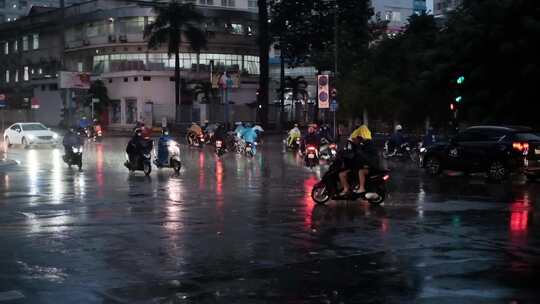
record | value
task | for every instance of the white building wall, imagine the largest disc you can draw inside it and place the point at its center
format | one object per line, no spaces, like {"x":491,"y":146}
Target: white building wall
{"x":50,"y":110}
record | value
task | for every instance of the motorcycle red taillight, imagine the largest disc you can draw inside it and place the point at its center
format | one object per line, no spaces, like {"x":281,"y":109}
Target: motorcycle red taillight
{"x":386,"y":178}
{"x":311,"y":148}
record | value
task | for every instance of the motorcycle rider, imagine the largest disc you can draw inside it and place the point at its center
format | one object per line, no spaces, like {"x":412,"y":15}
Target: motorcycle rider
{"x":311,"y":138}
{"x":136,"y":146}
{"x":396,"y":140}
{"x":220,"y":133}
{"x":163,"y":150}
{"x":361,"y":157}
{"x":71,"y":139}
{"x":293,"y":135}
{"x":249,"y":136}
{"x":326,"y":133}
{"x":194,"y":132}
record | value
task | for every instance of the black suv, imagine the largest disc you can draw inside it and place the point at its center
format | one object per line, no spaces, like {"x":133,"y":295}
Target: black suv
{"x":492,"y":149}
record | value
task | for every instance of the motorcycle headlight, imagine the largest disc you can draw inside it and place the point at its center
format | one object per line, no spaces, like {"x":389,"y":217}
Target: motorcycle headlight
{"x":422,"y":150}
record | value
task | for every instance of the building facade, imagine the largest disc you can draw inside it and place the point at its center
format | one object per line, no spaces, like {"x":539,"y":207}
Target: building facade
{"x":105,"y":39}
{"x":442,"y":7}
{"x":11,"y":10}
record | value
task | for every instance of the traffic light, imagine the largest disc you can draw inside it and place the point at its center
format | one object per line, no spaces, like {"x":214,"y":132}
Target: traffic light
{"x":452,"y":107}
{"x":460,"y":80}
{"x":459,"y":99}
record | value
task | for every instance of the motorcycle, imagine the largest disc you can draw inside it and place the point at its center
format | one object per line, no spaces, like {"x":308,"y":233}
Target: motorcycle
{"x":249,"y":149}
{"x":311,"y":156}
{"x":173,"y":160}
{"x":328,"y":151}
{"x":403,"y":152}
{"x":196,"y":140}
{"x":295,"y":144}
{"x":144,"y":162}
{"x":220,"y":148}
{"x":97,"y":134}
{"x":75,"y":157}
{"x":329,"y":187}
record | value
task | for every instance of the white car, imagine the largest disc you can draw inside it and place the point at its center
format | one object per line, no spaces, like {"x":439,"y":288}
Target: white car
{"x":30,"y":134}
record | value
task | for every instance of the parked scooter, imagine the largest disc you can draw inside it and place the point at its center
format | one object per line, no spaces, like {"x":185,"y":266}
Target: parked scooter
{"x":329,"y":187}
{"x":311,"y":157}
{"x":75,"y":157}
{"x":220,"y":148}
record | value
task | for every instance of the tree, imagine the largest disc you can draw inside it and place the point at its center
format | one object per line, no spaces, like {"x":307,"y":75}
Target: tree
{"x":98,"y":90}
{"x":174,"y":22}
{"x":298,"y":86}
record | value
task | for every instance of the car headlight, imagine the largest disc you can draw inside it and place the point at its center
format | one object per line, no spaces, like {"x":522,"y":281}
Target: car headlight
{"x":31,"y":137}
{"x":55,"y":136}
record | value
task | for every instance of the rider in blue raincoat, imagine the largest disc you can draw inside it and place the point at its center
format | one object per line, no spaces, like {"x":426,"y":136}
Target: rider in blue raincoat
{"x":249,"y":135}
{"x":163,"y":151}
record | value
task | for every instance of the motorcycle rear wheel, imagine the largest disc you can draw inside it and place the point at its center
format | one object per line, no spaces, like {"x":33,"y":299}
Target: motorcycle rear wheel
{"x":176,"y":166}
{"x":147,"y":169}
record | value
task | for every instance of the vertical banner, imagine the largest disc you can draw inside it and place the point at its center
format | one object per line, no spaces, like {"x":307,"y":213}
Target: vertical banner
{"x":322,"y":92}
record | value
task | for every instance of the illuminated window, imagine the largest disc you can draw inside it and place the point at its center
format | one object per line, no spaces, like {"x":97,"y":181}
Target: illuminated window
{"x":25,"y":43}
{"x":229,"y":3}
{"x":35,"y":41}
{"x":207,"y":2}
{"x":7,"y":76}
{"x":16,"y":75}
{"x":6,"y":48}
{"x":26,"y":75}
{"x":15,"y":46}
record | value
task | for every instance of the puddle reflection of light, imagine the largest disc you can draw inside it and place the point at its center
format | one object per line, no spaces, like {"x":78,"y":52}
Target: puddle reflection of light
{"x":421,"y":200}
{"x":201,"y":170}
{"x":57,"y":184}
{"x":308,"y":201}
{"x":219,"y":182}
{"x":32,"y":162}
{"x":173,"y":217}
{"x":519,"y":216}
{"x":100,"y":179}
{"x":6,"y":182}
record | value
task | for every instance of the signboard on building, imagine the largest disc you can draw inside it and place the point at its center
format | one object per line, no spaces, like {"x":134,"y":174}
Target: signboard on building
{"x":34,"y":103}
{"x":74,"y":80}
{"x":322,"y":92}
{"x":3,"y":101}
{"x":232,"y":80}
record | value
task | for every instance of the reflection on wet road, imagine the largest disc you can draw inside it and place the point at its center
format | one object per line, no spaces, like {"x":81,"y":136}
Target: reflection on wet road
{"x":237,"y":230}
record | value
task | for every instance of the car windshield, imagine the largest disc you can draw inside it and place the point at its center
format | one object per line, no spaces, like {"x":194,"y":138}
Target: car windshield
{"x":527,"y":137}
{"x":33,"y":127}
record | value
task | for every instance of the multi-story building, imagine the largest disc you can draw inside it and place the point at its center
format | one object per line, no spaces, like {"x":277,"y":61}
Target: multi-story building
{"x":105,"y":38}
{"x":11,"y":10}
{"x":442,"y":7}
{"x":396,"y":12}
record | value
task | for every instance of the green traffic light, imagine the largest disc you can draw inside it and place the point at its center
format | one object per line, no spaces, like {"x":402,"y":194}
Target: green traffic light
{"x":459,"y":99}
{"x":460,"y":80}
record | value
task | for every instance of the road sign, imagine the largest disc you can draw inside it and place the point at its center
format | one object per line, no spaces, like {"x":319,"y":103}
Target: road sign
{"x":323,"y":94}
{"x":333,"y":105}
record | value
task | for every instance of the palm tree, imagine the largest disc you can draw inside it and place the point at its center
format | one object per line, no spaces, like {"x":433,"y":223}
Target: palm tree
{"x":298,"y":86}
{"x":175,"y":21}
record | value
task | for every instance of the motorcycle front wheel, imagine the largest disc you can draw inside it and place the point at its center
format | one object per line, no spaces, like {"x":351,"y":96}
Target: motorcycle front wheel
{"x":176,"y":166}
{"x":147,"y":168}
{"x":320,"y":194}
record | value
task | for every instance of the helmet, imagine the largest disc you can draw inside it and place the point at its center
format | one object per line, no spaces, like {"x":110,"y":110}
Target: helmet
{"x":296,"y":125}
{"x":165,"y":131}
{"x":138,"y":132}
{"x":399,"y":128}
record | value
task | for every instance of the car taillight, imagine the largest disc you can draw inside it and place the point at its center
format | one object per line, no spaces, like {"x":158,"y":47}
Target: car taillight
{"x":333,"y":146}
{"x":386,"y":177}
{"x":312,"y":149}
{"x":521,"y":146}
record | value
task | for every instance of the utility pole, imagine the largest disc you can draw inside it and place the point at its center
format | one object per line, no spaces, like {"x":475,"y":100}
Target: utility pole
{"x":282,"y":86}
{"x":64,"y":93}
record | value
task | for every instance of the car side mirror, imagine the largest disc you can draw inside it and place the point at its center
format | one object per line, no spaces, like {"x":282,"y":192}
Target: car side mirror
{"x":19,"y":130}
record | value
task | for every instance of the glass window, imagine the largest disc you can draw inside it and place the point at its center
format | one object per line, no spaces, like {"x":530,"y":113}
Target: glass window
{"x":471,"y":136}
{"x":26,"y":75}
{"x":115,"y":111}
{"x":132,"y":25}
{"x":35,"y":41}
{"x":252,"y":4}
{"x":25,"y":43}
{"x":6,"y":48}
{"x":396,"y":16}
{"x":236,"y":29}
{"x":15,"y":46}
{"x":207,"y":2}
{"x":7,"y":76}
{"x":131,"y":110}
{"x":229,"y":3}
{"x":16,"y":75}
{"x":33,"y":127}
{"x":79,"y":66}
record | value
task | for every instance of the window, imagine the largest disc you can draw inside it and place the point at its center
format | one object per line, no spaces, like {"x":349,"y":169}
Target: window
{"x":471,"y":135}
{"x":80,"y":66}
{"x":7,"y":76}
{"x":23,"y":4}
{"x":131,"y":110}
{"x":252,"y":4}
{"x":396,"y":16}
{"x":26,"y":75}
{"x":53,"y":87}
{"x":6,"y":48}
{"x":25,"y":43}
{"x":229,"y":3}
{"x":43,"y":87}
{"x":207,"y":2}
{"x":2,"y":3}
{"x":236,"y":29}
{"x":115,"y":111}
{"x":15,"y":46}
{"x":40,"y":71}
{"x":35,"y":41}
{"x":147,"y":78}
{"x":16,"y":75}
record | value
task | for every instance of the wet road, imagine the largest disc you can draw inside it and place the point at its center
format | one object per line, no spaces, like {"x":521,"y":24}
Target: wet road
{"x":246,"y":231}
